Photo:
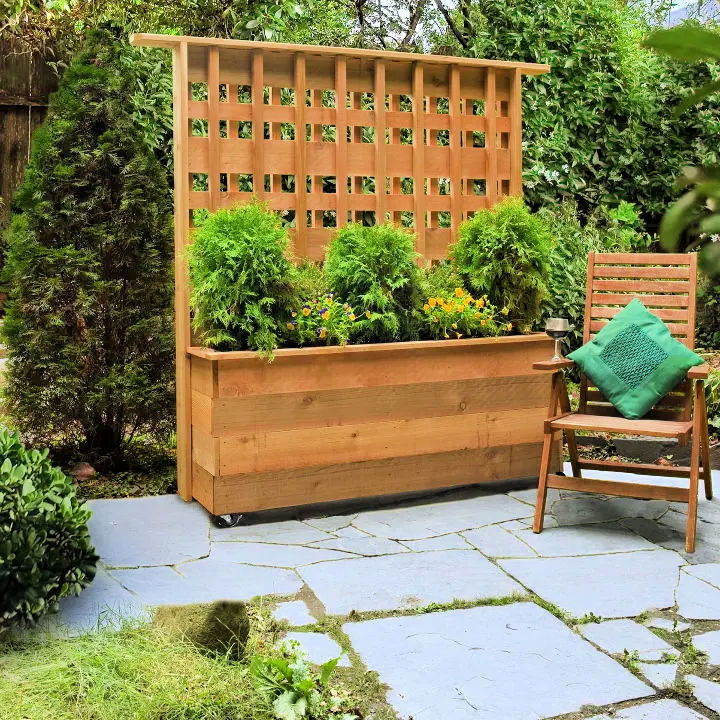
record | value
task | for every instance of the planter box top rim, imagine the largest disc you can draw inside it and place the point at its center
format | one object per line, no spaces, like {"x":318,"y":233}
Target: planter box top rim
{"x":209,"y":354}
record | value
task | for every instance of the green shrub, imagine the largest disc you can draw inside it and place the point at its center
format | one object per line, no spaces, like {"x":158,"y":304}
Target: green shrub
{"x":439,"y":280}
{"x":241,"y":279}
{"x":89,"y":324}
{"x":504,"y":253}
{"x":707,"y":334}
{"x":320,"y":321}
{"x":373,"y":269}
{"x":712,"y":394}
{"x":45,"y":550}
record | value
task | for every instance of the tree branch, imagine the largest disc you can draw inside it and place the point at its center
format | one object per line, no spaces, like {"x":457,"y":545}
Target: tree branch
{"x":451,"y":24}
{"x":414,"y":20}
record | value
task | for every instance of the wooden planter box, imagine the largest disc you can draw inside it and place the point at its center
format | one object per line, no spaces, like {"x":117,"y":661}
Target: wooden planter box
{"x":330,"y":423}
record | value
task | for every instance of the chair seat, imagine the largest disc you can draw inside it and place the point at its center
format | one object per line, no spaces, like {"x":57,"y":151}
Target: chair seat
{"x":604,"y":423}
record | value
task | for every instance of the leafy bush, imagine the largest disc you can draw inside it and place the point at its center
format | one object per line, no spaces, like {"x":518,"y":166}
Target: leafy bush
{"x":45,"y":550}
{"x":373,"y":269}
{"x":241,"y":279}
{"x":321,"y":321}
{"x":707,"y":334}
{"x":294,"y":691}
{"x":604,"y":231}
{"x":462,"y":315}
{"x":504,"y":253}
{"x":712,"y":394}
{"x":89,"y":324}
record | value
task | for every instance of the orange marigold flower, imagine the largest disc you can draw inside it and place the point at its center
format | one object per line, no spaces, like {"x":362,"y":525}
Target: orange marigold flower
{"x":426,"y":307}
{"x":477,"y":315}
{"x":480,"y":303}
{"x":432,"y":302}
{"x":483,"y":323}
{"x":459,"y":292}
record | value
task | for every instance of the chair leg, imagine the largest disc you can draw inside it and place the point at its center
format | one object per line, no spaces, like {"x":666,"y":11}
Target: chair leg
{"x":705,"y":447}
{"x":693,"y":490}
{"x":573,"y":452}
{"x":542,"y":482}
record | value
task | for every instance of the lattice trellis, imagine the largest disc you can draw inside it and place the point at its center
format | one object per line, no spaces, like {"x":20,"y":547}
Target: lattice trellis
{"x":327,"y":135}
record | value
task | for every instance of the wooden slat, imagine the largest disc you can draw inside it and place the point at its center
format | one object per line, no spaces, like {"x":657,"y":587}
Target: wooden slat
{"x":419,"y":116}
{"x":491,"y":181}
{"x":515,"y":134}
{"x":692,"y":303}
{"x":307,"y":447}
{"x":617,"y":488}
{"x":654,"y":428}
{"x":183,"y":335}
{"x":380,"y":144}
{"x":673,"y":399}
{"x":662,"y":313}
{"x":301,"y":249}
{"x":636,"y":468}
{"x":653,"y":286}
{"x":258,"y":88}
{"x":214,"y":127}
{"x":455,"y":151}
{"x":643,"y":271}
{"x":682,"y":330}
{"x":643,"y":258}
{"x":658,"y":413}
{"x":588,"y":306}
{"x":650,"y":301}
{"x":348,"y":406}
{"x":341,"y":172}
{"x":261,"y":491}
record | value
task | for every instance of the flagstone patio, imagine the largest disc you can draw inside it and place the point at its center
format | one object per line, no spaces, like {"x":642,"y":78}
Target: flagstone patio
{"x":479,"y":648}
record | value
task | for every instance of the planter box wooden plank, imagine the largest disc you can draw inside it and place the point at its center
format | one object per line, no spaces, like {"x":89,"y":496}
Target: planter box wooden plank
{"x":324,"y":424}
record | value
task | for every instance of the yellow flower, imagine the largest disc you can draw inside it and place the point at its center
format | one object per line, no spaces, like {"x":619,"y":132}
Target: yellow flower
{"x":351,"y":316}
{"x":454,"y":326}
{"x":290,"y":326}
{"x":505,"y":310}
{"x":426,"y":307}
{"x":447,"y":307}
{"x":477,"y":315}
{"x":480,"y":303}
{"x":483,"y":323}
{"x":459,"y":335}
{"x":440,"y":301}
{"x":435,"y":319}
{"x":432,"y":302}
{"x":294,"y":314}
{"x":306,"y":311}
{"x":509,"y":326}
{"x":459,"y":292}
{"x":323,"y":333}
{"x":367,"y":313}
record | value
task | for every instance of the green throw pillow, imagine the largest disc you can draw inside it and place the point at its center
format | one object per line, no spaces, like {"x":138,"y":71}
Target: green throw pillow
{"x":634,"y":360}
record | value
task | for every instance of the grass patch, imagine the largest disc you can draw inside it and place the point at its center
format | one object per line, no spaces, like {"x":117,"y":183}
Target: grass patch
{"x":145,"y":672}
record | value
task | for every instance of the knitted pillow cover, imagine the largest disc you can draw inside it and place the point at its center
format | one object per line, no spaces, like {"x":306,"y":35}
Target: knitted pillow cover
{"x":634,"y":360}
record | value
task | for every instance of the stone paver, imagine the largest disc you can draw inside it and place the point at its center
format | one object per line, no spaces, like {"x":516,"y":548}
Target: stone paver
{"x":160,"y":530}
{"x":319,"y":648}
{"x":616,"y":636}
{"x":515,"y":662}
{"x":408,"y":580}
{"x":330,"y":524}
{"x":440,"y":518}
{"x":495,"y":541}
{"x":365,"y":545}
{"x":669,"y":625}
{"x":288,"y":556}
{"x":697,"y":599}
{"x":295,"y":613}
{"x":206,"y":581}
{"x":709,"y":643}
{"x":661,"y":675}
{"x":658,"y":710}
{"x":618,"y":585}
{"x":288,"y":532}
{"x":708,"y":693}
{"x":585,"y":509}
{"x":585,"y":540}
{"x":442,"y":542}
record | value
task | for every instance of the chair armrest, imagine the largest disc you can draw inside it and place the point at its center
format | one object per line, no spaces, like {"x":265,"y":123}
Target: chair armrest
{"x":699,"y":372}
{"x":553,"y":364}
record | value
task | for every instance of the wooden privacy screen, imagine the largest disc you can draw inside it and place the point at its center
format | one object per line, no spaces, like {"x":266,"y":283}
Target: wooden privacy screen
{"x":423,"y":139}
{"x":328,"y":135}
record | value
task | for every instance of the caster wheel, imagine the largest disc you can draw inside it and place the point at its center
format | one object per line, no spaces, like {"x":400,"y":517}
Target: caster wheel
{"x":228,"y":521}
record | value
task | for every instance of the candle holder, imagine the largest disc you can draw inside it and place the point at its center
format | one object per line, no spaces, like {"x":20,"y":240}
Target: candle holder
{"x":558,"y":329}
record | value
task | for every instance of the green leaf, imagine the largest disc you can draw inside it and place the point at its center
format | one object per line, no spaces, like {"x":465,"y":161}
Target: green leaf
{"x":677,"y":218}
{"x":696,"y":97}
{"x":326,"y":669}
{"x":286,"y":707}
{"x":686,"y":42}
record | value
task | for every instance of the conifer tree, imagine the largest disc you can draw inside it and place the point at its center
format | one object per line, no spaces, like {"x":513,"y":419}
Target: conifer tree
{"x":88,"y":271}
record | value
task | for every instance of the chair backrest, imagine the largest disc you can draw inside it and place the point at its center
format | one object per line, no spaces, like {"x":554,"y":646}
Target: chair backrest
{"x":666,"y":284}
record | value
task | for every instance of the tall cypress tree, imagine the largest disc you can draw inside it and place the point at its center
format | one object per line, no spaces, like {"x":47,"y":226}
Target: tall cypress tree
{"x":88,"y":271}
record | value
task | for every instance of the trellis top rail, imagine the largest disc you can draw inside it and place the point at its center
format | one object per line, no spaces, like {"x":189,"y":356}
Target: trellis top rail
{"x":171,"y":41}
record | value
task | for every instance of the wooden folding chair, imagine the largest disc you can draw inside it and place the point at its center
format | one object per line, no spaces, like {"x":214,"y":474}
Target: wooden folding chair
{"x":666,"y":284}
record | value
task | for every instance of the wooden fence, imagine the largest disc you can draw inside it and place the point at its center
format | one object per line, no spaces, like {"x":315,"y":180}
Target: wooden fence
{"x":26,"y":81}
